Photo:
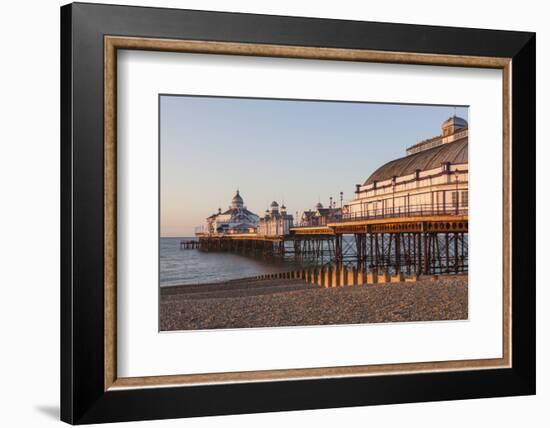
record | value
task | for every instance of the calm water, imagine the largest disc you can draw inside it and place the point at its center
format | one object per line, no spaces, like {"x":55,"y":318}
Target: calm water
{"x":178,"y":267}
{"x":181,"y":267}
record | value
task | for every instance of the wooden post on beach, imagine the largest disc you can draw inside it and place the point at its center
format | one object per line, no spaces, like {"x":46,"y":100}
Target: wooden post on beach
{"x":398,"y":277}
{"x":371,"y":278}
{"x":383,"y":277}
{"x":360,"y":276}
{"x":321,"y":276}
{"x":352,"y":276}
{"x":335,"y":277}
{"x":327,"y":277}
{"x":343,"y":276}
{"x":314,"y":276}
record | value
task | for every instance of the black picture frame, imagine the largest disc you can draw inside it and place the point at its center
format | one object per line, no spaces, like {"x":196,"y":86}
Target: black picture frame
{"x":83,"y":399}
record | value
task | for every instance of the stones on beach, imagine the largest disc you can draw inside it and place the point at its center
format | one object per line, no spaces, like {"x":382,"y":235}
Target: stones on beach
{"x":294,"y":302}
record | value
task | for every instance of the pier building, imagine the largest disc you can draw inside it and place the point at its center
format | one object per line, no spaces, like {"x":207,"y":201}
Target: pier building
{"x":236,"y":219}
{"x":431,"y":178}
{"x":275,"y":222}
{"x":320,"y":216}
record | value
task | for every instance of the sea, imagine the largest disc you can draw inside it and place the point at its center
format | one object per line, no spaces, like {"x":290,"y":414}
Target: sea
{"x":187,"y":266}
{"x":191,"y":266}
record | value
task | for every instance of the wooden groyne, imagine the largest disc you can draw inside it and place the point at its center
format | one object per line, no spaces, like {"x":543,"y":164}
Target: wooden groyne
{"x":339,"y":276}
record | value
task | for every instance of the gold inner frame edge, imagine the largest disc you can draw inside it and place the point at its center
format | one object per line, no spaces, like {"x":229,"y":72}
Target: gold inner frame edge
{"x":113,"y":43}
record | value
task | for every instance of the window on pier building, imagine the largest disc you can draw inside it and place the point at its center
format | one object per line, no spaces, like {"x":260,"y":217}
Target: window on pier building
{"x":454,"y":198}
{"x":464,"y":199}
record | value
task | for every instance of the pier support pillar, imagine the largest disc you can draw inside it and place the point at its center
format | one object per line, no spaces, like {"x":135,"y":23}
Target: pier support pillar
{"x":447,"y":257}
{"x":327,"y":277}
{"x":456,"y":252}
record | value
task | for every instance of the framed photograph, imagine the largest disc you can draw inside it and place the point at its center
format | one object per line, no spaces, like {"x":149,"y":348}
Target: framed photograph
{"x":265,"y":213}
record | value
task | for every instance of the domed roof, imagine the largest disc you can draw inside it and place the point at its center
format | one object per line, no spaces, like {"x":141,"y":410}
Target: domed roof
{"x":455,"y":152}
{"x":237,"y":197}
{"x":319,"y":206}
{"x":237,"y":201}
{"x":274,"y":204}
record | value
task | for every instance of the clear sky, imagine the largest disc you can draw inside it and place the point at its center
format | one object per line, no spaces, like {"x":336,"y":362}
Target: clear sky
{"x":297,"y":151}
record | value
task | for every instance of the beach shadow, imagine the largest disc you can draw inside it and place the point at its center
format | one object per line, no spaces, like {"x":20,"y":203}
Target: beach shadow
{"x":50,"y":411}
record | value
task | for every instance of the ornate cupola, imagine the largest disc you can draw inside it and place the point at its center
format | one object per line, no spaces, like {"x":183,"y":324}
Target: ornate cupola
{"x":237,"y":201}
{"x":452,"y":125}
{"x":274,"y":207}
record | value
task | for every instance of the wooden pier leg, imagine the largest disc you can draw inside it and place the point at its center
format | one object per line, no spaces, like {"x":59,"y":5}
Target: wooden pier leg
{"x":426,"y":255}
{"x":462,"y":247}
{"x":376,"y":256}
{"x":407,"y":251}
{"x":338,"y":249}
{"x":387,"y":255}
{"x":397,"y":253}
{"x":456,"y":252}
{"x":358,"y":249}
{"x":371,"y":255}
{"x":447,"y":252}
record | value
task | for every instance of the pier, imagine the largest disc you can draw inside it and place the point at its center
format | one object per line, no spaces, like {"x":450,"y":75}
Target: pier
{"x":408,"y":218}
{"x":189,"y":245}
{"x":417,"y":242}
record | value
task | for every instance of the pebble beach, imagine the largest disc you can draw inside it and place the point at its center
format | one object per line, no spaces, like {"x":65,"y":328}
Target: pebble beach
{"x":251,"y":303}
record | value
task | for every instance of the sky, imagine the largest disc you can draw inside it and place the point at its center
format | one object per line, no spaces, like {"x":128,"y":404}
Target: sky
{"x":291,"y":151}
